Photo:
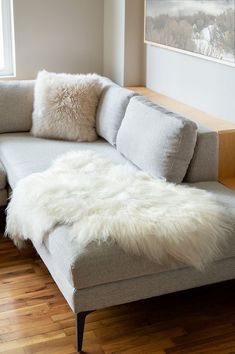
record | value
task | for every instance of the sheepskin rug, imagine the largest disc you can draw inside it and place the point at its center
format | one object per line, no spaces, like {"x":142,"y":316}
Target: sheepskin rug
{"x":65,"y":106}
{"x":104,"y":202}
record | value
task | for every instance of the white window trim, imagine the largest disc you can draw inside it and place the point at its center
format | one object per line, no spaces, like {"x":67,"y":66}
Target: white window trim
{"x":8,"y":39}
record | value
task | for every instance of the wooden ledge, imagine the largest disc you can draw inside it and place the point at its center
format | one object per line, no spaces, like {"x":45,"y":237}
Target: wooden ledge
{"x":224,"y":129}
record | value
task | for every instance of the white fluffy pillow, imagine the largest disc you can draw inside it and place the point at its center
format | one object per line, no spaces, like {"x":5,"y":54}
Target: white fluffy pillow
{"x":65,"y":106}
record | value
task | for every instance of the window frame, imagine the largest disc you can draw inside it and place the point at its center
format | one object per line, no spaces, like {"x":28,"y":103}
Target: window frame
{"x":8,"y":39}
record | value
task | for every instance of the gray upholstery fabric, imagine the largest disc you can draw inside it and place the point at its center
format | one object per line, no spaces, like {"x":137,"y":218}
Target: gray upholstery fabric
{"x":204,"y":164}
{"x":16,"y":106}
{"x":223,"y":194}
{"x":90,"y":269}
{"x":2,"y":176}
{"x":23,"y":154}
{"x":158,"y":141}
{"x":151,"y":285}
{"x":132,"y":289}
{"x":111,"y":111}
{"x":106,"y":81}
{"x":63,"y":284}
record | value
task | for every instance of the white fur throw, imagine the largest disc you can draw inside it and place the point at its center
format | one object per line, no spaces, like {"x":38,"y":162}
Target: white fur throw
{"x":65,"y":106}
{"x":106,"y":202}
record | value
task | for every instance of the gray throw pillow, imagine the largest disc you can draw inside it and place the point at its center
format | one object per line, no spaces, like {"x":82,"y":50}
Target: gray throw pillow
{"x":111,"y":111}
{"x":156,"y":140}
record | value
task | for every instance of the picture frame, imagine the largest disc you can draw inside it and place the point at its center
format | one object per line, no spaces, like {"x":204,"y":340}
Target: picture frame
{"x":201,"y":47}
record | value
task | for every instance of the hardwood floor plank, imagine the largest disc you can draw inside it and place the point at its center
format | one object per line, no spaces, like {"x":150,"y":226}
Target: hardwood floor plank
{"x":30,"y":332}
{"x":23,"y":342}
{"x":13,"y":351}
{"x":224,"y":343}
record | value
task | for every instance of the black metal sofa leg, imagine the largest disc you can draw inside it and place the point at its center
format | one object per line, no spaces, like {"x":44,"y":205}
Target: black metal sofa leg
{"x":2,"y":219}
{"x":80,"y":324}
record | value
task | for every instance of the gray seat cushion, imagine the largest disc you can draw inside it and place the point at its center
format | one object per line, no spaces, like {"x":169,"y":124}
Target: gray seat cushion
{"x":23,"y":154}
{"x":111,"y":111}
{"x":106,"y":263}
{"x":156,"y":140}
{"x":16,"y":106}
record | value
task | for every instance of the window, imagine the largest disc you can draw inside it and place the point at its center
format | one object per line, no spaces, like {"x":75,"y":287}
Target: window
{"x":6,"y":39}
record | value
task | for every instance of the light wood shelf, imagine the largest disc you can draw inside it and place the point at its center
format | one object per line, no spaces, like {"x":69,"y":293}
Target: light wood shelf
{"x":224,"y":129}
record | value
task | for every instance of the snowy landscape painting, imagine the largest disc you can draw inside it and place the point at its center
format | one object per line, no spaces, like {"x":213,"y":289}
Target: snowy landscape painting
{"x":199,"y":27}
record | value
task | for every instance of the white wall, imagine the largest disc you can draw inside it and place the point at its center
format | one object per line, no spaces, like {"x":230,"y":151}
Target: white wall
{"x":58,"y":35}
{"x":114,"y":41}
{"x":134,"y":73}
{"x":123,"y":41}
{"x":72,"y":36}
{"x":200,"y":83}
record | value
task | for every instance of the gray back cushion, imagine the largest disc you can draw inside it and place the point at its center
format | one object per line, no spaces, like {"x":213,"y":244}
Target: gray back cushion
{"x":111,"y":111}
{"x":16,"y":106}
{"x":158,"y":141}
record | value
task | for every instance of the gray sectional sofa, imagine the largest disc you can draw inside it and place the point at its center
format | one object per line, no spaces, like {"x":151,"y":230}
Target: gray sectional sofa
{"x":104,"y":275}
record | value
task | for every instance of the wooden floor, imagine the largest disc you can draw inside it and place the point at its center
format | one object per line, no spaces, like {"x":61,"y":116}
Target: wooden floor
{"x":34,"y":317}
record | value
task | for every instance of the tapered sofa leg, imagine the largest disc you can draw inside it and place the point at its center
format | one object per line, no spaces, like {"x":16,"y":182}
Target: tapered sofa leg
{"x":80,"y":324}
{"x":2,"y":219}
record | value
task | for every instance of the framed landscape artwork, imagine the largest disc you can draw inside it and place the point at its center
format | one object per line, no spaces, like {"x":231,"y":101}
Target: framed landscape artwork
{"x":204,"y":28}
